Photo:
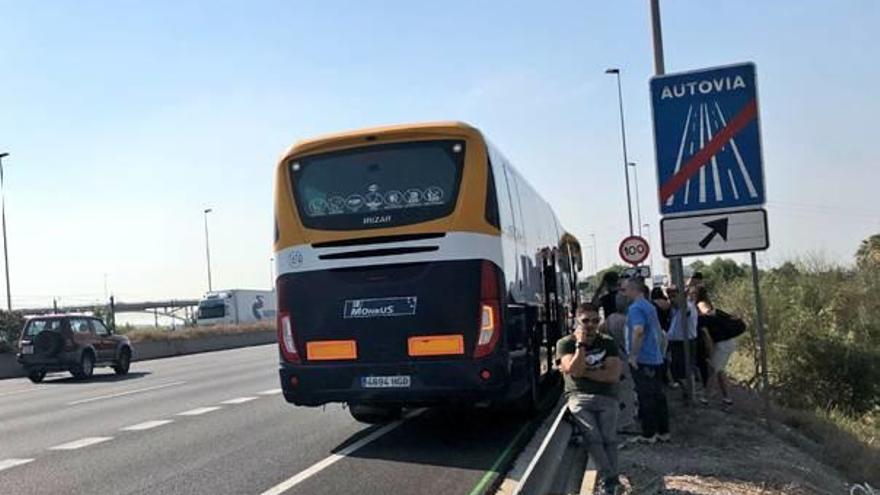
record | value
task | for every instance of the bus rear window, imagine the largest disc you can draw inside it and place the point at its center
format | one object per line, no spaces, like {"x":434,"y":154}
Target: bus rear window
{"x":377,"y":186}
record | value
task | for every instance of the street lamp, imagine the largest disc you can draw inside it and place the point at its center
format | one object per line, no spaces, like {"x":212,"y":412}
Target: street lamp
{"x":5,"y":244}
{"x":623,"y":140}
{"x":638,"y":202}
{"x":208,"y":249}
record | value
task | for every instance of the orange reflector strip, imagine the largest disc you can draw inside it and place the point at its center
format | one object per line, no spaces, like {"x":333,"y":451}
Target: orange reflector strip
{"x":435,"y":345}
{"x":326,"y":350}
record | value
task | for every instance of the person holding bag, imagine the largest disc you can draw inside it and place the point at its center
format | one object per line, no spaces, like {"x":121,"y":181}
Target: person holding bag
{"x":723,"y":330}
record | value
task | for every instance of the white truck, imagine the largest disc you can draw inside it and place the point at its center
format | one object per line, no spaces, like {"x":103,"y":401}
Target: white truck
{"x":236,"y":307}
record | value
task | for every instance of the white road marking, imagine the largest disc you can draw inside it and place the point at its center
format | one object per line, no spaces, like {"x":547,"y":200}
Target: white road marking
{"x":199,"y":411}
{"x":332,"y":459}
{"x":240,"y":400}
{"x":82,"y":442}
{"x":10,"y":463}
{"x":122,"y":394}
{"x":147,"y":425}
{"x":274,"y":391}
{"x":681,"y":150}
{"x":702,"y":167}
{"x":733,"y":184}
{"x":742,"y":167}
{"x":719,"y":196}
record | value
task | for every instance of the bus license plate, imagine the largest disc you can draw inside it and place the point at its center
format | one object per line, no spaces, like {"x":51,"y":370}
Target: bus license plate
{"x":399,"y":381}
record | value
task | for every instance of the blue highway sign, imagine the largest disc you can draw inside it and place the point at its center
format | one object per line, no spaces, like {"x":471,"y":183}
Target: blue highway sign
{"x":708,"y":140}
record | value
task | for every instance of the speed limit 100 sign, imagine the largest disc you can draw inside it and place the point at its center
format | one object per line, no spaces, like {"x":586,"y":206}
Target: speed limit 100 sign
{"x":634,"y":250}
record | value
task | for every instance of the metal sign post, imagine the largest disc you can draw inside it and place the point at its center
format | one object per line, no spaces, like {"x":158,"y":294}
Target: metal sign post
{"x":676,"y":268}
{"x":710,"y":170}
{"x":762,"y":341}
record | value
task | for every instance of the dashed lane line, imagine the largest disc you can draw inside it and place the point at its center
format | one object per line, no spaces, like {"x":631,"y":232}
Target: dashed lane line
{"x":147,"y":425}
{"x":11,"y":463}
{"x":273,"y":391}
{"x":342,"y":454}
{"x":199,"y":411}
{"x":239,"y":400}
{"x":82,"y":442}
{"x":127,"y":392}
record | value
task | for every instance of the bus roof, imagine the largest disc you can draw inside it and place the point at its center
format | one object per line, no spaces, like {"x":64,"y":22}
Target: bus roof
{"x":359,"y":136}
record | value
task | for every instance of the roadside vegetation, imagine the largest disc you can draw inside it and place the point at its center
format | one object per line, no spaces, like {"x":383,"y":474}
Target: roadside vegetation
{"x":823,"y":335}
{"x":191,"y":332}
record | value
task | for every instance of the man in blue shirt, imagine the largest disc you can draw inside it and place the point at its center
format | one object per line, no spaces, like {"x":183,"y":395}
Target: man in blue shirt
{"x":644,"y":339}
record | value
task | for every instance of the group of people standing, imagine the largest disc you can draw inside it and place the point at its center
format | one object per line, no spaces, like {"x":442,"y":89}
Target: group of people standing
{"x":609,"y":365}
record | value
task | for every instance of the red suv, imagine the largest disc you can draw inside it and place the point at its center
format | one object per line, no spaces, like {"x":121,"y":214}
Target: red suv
{"x":71,"y":343}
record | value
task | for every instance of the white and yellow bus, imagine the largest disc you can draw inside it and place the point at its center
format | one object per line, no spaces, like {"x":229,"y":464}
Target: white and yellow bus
{"x":415,"y":266}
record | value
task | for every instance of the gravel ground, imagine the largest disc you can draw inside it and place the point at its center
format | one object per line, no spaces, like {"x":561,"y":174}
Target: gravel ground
{"x":716,"y":451}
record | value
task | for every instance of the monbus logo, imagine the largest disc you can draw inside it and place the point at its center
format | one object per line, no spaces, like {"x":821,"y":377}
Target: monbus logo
{"x":367,"y":312}
{"x":380,"y":307}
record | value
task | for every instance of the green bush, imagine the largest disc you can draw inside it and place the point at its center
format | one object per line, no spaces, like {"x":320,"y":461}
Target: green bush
{"x":11,"y":324}
{"x":823,"y":334}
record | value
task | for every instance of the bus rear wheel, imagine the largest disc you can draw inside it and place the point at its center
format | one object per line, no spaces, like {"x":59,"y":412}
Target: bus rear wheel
{"x":372,"y":414}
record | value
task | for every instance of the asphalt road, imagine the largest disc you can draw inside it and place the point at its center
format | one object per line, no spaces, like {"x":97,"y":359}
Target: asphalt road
{"x":216,"y":423}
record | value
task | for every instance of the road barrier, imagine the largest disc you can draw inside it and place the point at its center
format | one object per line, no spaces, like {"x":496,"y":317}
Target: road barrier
{"x":9,"y":367}
{"x":557,"y":466}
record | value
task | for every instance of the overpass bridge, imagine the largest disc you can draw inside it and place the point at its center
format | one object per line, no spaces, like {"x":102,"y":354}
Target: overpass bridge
{"x":183,"y":310}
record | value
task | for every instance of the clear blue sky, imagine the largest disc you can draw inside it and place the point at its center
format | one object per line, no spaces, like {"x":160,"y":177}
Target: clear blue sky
{"x":126,"y":119}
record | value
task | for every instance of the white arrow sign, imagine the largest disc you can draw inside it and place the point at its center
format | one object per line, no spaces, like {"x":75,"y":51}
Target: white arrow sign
{"x":730,"y":232}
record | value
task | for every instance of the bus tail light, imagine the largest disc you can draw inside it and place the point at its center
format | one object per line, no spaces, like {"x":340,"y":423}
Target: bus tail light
{"x":490,"y":310}
{"x":286,"y":338}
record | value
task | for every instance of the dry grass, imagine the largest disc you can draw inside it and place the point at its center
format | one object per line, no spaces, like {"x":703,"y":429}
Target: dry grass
{"x":850,"y":444}
{"x":188,"y":333}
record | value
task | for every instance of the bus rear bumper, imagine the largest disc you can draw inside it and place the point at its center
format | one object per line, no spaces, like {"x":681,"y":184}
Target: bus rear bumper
{"x":430,"y":382}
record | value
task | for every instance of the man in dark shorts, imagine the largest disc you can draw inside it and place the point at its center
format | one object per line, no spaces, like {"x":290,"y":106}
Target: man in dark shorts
{"x":591,"y":368}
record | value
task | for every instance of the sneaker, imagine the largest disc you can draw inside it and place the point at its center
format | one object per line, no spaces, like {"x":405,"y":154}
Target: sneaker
{"x":664,"y":438}
{"x":599,"y":487}
{"x":612,"y":486}
{"x":727,"y":401}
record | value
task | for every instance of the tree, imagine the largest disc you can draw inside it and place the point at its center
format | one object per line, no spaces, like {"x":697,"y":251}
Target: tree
{"x":11,"y":324}
{"x":719,"y":271}
{"x":589,"y":284}
{"x":868,"y":254}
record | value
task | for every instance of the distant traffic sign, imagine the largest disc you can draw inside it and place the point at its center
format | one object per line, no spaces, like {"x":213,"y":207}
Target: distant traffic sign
{"x":707,"y":140}
{"x":637,"y":271}
{"x":715,"y":233}
{"x":634,"y":250}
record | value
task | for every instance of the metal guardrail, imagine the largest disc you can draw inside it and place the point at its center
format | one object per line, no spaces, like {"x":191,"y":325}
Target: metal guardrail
{"x":543,"y":471}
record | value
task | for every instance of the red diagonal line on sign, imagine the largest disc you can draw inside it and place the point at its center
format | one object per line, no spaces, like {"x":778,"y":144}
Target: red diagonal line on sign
{"x":701,"y":158}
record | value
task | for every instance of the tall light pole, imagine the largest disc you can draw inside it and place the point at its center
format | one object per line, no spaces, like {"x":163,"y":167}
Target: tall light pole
{"x":208,"y":249}
{"x":629,"y":209}
{"x":638,"y":202}
{"x":5,"y":243}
